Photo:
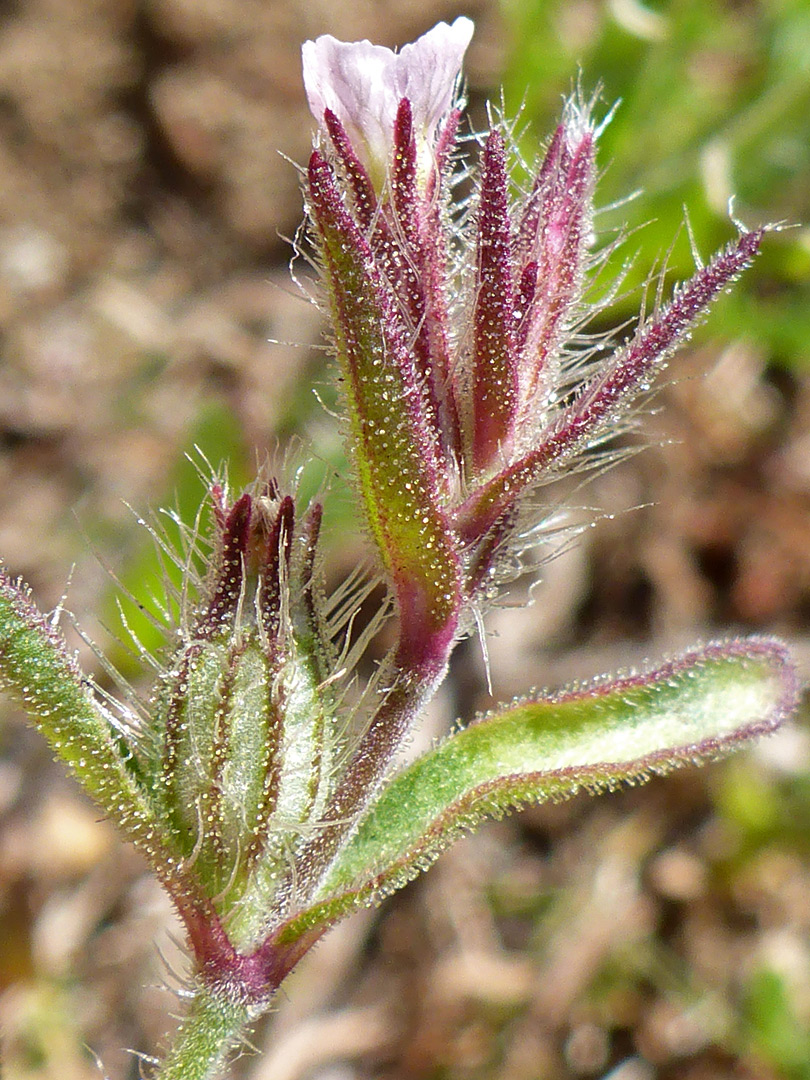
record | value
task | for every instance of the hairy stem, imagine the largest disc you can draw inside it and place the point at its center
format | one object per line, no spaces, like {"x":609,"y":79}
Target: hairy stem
{"x":368,"y":767}
{"x":206,"y":1038}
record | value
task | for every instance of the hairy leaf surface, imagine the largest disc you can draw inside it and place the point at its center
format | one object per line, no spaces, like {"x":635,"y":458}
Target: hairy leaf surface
{"x":545,"y":748}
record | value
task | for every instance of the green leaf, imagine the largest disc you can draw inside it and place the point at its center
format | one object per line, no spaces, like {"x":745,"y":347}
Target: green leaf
{"x":627,"y":729}
{"x":37,"y":670}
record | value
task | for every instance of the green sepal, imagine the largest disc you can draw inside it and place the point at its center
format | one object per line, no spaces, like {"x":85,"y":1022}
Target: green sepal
{"x":221,"y":739}
{"x":246,"y":767}
{"x":393,"y":441}
{"x":548,"y":748}
{"x":304,"y":772}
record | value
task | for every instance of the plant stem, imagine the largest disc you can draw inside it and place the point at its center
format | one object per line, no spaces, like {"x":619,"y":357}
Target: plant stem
{"x":206,"y":1037}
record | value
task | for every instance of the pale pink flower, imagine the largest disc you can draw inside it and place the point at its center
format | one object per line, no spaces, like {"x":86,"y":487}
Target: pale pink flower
{"x":363,"y":85}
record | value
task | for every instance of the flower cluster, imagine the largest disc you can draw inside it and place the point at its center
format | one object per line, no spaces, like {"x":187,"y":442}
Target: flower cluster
{"x":451,"y":326}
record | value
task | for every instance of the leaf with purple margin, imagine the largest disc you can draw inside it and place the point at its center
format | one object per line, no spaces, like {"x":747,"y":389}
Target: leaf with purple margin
{"x":547,"y":748}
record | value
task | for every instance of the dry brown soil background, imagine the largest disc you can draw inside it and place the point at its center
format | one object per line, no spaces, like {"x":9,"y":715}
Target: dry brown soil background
{"x":142,"y":201}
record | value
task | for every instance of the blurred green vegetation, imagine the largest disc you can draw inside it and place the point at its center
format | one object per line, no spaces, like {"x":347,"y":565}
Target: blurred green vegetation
{"x":148,"y":574}
{"x":714,"y":102}
{"x":776,"y":1034}
{"x":215,"y":445}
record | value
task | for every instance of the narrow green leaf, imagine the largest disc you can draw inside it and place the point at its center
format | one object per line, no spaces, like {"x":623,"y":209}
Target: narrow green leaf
{"x":691,"y":709}
{"x":37,"y":671}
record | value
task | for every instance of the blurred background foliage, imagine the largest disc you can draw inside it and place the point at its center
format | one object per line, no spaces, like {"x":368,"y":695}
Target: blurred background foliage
{"x":713,"y":103}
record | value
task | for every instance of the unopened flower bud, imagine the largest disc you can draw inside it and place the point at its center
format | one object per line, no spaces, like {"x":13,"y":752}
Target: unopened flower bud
{"x":245,"y":758}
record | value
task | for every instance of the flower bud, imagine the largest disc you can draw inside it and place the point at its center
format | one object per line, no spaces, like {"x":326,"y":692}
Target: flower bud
{"x":245,"y":749}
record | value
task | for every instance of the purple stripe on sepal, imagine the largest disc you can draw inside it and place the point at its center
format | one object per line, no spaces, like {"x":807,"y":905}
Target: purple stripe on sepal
{"x":362,"y":189}
{"x":403,"y":171}
{"x":528,"y":224}
{"x":560,"y":249}
{"x":230,"y":568}
{"x":494,"y":370}
{"x":395,"y":454}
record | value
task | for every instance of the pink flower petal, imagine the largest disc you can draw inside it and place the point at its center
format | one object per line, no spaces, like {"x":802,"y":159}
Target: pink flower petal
{"x":363,"y":84}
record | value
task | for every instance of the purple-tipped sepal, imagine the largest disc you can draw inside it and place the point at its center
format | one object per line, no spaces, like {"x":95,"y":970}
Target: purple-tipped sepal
{"x":601,"y":402}
{"x":453,"y":329}
{"x":493,"y":398}
{"x":243,"y":712}
{"x":397,"y":455}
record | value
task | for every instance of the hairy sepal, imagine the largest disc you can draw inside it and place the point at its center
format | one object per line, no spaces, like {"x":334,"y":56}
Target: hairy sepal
{"x":560,"y":252}
{"x":601,"y":403}
{"x":547,"y":748}
{"x":245,"y":712}
{"x":495,"y":375}
{"x":393,"y":450}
